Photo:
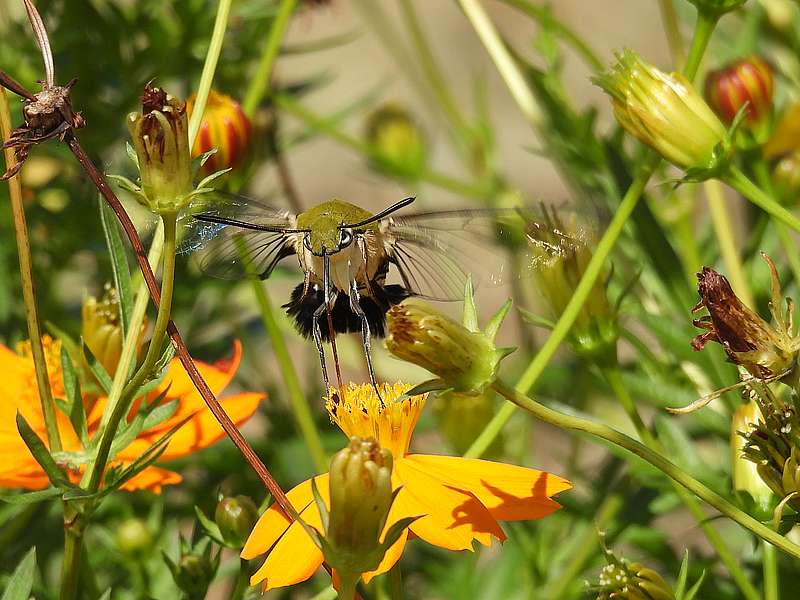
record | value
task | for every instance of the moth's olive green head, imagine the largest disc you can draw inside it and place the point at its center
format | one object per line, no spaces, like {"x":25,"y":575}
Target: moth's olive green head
{"x":326,"y":225}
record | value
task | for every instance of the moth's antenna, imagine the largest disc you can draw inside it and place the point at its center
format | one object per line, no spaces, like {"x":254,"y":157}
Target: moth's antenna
{"x":209,"y":218}
{"x":385,"y":212}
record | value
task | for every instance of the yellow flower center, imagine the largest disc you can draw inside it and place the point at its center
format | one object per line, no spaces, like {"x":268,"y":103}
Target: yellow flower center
{"x":357,"y":411}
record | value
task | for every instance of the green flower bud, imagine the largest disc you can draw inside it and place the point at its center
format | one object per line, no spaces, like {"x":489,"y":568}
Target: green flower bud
{"x":195,"y":569}
{"x":132,"y":537}
{"x":665,"y":112}
{"x":397,"y":142}
{"x":161,"y":138}
{"x":360,"y":499}
{"x":235,"y":517}
{"x":747,"y":483}
{"x":465,"y":360}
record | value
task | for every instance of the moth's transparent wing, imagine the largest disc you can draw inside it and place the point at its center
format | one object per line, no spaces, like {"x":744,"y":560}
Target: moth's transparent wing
{"x":235,"y":236}
{"x":434,"y":252}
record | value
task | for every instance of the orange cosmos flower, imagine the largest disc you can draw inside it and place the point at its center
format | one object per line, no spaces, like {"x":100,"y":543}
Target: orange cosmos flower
{"x":19,"y":393}
{"x":458,"y":500}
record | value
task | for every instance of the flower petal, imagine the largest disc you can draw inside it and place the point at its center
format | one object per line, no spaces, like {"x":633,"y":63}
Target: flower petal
{"x":201,"y":431}
{"x":152,"y":479}
{"x":511,"y":493}
{"x":273,"y":523}
{"x":217,"y":376}
{"x":295,"y":556}
{"x":451,"y":518}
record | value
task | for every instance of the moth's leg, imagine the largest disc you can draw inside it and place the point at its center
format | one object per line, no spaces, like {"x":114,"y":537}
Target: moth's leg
{"x":355,"y":306}
{"x":321,"y":309}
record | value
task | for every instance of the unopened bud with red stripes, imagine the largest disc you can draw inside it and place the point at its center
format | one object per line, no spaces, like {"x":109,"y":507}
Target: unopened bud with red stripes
{"x":224,"y":127}
{"x":748,"y":84}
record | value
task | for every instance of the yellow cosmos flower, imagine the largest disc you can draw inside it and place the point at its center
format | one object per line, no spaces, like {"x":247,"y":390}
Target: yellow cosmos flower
{"x":459,"y":501}
{"x":20,"y":393}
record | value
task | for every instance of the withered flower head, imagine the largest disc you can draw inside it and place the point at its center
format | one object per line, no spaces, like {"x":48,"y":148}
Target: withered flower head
{"x":562,"y":249}
{"x":48,"y":114}
{"x":766,"y":351}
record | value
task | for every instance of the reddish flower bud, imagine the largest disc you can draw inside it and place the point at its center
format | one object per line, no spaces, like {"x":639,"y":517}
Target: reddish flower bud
{"x":744,"y":82}
{"x":224,"y":127}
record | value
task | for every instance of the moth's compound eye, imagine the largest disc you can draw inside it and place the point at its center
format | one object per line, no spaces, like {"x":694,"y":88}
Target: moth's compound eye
{"x":345,"y":238}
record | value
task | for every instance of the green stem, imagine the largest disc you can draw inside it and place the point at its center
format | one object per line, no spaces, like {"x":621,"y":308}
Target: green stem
{"x":739,"y":181}
{"x":771,"y":573}
{"x":259,"y":84}
{"x":28,"y":290}
{"x":585,"y":548}
{"x":617,"y":438}
{"x":130,"y":344}
{"x":545,"y":17}
{"x":300,"y":407}
{"x":614,"y":378}
{"x":154,"y":351}
{"x":703,"y":28}
{"x":506,"y":66}
{"x":291,"y":106}
{"x":395,"y":577}
{"x":209,"y":67}
{"x":74,"y":527}
{"x":669,"y":19}
{"x":347,"y":585}
{"x":725,"y":238}
{"x":242,"y":580}
{"x":431,"y":69}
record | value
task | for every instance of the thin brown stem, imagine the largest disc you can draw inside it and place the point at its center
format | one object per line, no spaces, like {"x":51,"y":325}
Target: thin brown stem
{"x":28,"y":291}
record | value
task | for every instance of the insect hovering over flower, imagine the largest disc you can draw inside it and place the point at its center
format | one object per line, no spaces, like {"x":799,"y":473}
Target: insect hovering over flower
{"x":346,"y":253}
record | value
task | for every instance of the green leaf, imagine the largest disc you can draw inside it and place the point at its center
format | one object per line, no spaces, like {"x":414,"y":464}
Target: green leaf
{"x":210,"y":528}
{"x":31,"y":497}
{"x":680,"y":582}
{"x":21,"y":582}
{"x":323,"y":510}
{"x":494,"y":324}
{"x":106,"y":595}
{"x":131,"y":152}
{"x":72,"y":390}
{"x":470,"y":318}
{"x":431,"y":385}
{"x":694,"y":589}
{"x":396,"y":530}
{"x":119,"y":264}
{"x":536,"y":320}
{"x":40,"y":453}
{"x":98,"y":370}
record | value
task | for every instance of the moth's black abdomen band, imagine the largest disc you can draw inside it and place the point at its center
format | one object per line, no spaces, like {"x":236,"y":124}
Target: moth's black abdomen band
{"x":301,"y":309}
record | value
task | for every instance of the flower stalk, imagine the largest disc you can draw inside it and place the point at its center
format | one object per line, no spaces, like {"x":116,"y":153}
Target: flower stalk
{"x":259,"y":84}
{"x":28,"y":293}
{"x":671,"y":470}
